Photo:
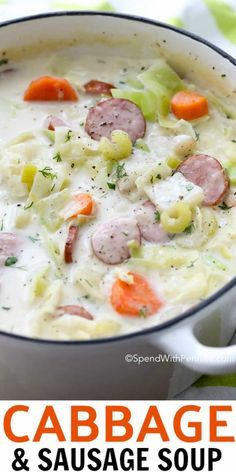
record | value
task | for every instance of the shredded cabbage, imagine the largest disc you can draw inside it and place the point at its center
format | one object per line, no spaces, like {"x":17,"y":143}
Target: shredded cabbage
{"x":39,"y":283}
{"x":220,"y":104}
{"x":89,"y":280}
{"x":163,"y":257}
{"x":204,"y":226}
{"x":72,"y":147}
{"x":41,"y":188}
{"x":53,"y":249}
{"x":144,"y":99}
{"x":159,"y":82}
{"x":49,"y":209}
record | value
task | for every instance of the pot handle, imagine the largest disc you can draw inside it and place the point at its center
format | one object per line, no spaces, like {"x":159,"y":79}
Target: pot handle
{"x":183,"y":345}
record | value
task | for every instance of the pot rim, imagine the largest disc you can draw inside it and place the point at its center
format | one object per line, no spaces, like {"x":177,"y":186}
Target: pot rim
{"x":208,"y":301}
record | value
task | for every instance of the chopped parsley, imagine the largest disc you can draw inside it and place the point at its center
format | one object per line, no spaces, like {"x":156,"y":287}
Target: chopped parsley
{"x":191,"y":264}
{"x":233,"y":140}
{"x":224,"y":206}
{"x":28,"y":206}
{"x":143,"y":312}
{"x":189,"y":187}
{"x":4,"y":61}
{"x":223,"y":75}
{"x":47,"y":173}
{"x":34,"y":240}
{"x":190,"y":228}
{"x":88,"y":282}
{"x":2,"y":225}
{"x":111,"y":185}
{"x":157,"y":216}
{"x":197,"y":135}
{"x":5,"y":308}
{"x":158,"y":176}
{"x":10,"y":261}
{"x":68,"y":135}
{"x":57,"y":157}
{"x":120,"y":171}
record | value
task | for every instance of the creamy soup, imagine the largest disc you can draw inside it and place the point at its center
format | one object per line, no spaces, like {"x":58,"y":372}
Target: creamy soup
{"x":118,"y":193}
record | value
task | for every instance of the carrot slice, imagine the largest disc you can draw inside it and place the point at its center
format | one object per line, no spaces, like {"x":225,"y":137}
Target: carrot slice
{"x":50,"y":88}
{"x":137,"y":299}
{"x":189,"y":105}
{"x":82,"y":204}
{"x":97,"y":87}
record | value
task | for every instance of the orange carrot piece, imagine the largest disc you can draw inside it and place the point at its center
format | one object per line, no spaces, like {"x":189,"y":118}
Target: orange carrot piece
{"x":137,"y":299}
{"x":189,"y":105}
{"x":50,"y":88}
{"x":82,"y":204}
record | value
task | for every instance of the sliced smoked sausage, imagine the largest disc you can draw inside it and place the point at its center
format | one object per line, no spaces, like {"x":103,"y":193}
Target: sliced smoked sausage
{"x":150,"y":228}
{"x":75,"y":310}
{"x":206,"y":172}
{"x":109,"y":242}
{"x":115,"y":114}
{"x":52,"y":122}
{"x":10,"y":244}
{"x":70,"y":243}
{"x":96,"y":87}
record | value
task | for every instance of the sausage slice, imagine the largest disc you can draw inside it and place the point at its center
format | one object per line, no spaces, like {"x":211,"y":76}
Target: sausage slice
{"x":53,"y":121}
{"x":75,"y":310}
{"x":114,"y":114}
{"x":109,"y":242}
{"x":206,"y":172}
{"x":150,"y":228}
{"x":10,"y":244}
{"x":96,"y":87}
{"x":70,"y":243}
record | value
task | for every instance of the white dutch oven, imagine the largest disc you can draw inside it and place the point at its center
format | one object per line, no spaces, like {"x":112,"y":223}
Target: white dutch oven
{"x":97,"y":369}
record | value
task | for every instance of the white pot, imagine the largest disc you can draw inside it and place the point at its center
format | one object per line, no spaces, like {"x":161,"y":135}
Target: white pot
{"x":97,"y":369}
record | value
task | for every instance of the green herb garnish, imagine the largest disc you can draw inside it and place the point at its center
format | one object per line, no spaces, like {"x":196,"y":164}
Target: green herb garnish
{"x":224,"y":206}
{"x":111,"y":185}
{"x":143,"y":312}
{"x":47,"y":173}
{"x":10,"y":261}
{"x":28,"y":206}
{"x":68,"y":135}
{"x":158,"y":176}
{"x":190,"y":228}
{"x":5,"y":308}
{"x":120,"y":171}
{"x":157,"y":216}
{"x":189,"y":187}
{"x":4,"y":61}
{"x":34,"y":240}
{"x":57,"y":157}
